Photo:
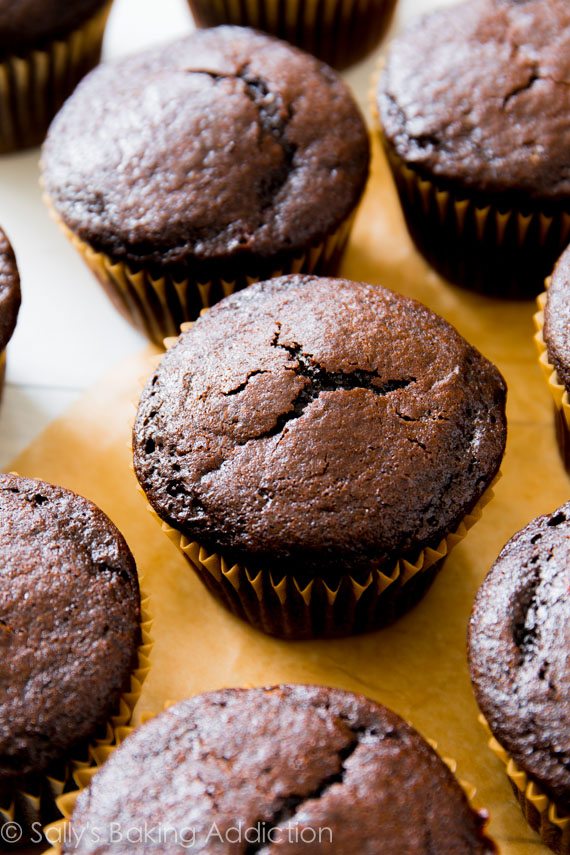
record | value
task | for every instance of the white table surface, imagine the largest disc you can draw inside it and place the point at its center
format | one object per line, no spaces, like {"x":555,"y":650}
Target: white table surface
{"x":68,"y":334}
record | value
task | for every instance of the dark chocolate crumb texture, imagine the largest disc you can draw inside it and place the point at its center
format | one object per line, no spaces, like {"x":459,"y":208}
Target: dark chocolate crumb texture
{"x":69,"y":623}
{"x":519,"y":643}
{"x":9,"y":291}
{"x":225,"y":145}
{"x":319,"y":425}
{"x":267,"y":770}
{"x":478,"y":95}
{"x":32,"y":24}
{"x":557,"y":320}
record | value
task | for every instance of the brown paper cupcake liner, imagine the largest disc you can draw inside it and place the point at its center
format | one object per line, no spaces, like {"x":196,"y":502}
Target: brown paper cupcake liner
{"x":159,"y":306}
{"x":557,"y":390}
{"x":340,"y":32}
{"x":286,"y":608}
{"x":34,"y":86}
{"x":538,"y":809}
{"x":58,"y":831}
{"x":30,"y":809}
{"x":494,"y":250}
{"x":468,"y":788}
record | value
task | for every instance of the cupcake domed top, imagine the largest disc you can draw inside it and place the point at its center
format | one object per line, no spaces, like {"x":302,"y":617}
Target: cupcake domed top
{"x":27,"y":24}
{"x":69,"y":622}
{"x":227,"y":143}
{"x":269,"y":764}
{"x":557,"y":319}
{"x":319,"y":425}
{"x":9,"y":291}
{"x":519,"y":651}
{"x":480,"y":93}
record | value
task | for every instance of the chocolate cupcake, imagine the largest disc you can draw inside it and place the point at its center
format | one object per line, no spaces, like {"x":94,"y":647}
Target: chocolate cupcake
{"x":70,"y":629}
{"x":475,"y":111}
{"x":317,"y":443}
{"x":290,"y":768}
{"x":518,"y":650}
{"x":46,"y":47}
{"x":338,"y":32}
{"x":9,"y":299}
{"x":553,"y":341}
{"x":232,"y":171}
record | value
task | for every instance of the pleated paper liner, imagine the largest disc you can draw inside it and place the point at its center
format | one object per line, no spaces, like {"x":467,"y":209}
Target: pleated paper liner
{"x":476,"y":243}
{"x":538,"y":809}
{"x":557,"y":390}
{"x":34,"y":86}
{"x":283,"y":607}
{"x":340,"y":32}
{"x":468,"y":788}
{"x":159,"y":306}
{"x":58,"y":832}
{"x":37,"y":806}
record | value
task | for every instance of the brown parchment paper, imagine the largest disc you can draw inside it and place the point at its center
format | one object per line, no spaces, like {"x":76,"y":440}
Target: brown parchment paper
{"x":418,"y":666}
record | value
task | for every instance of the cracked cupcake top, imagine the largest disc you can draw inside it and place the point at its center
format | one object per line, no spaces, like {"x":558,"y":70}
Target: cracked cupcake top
{"x":227,"y":144}
{"x":30,"y":24}
{"x":320,"y":426}
{"x":519,"y":651}
{"x":9,"y":291}
{"x":69,"y":623}
{"x":557,"y":319}
{"x":479,"y":94}
{"x":275,"y":763}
